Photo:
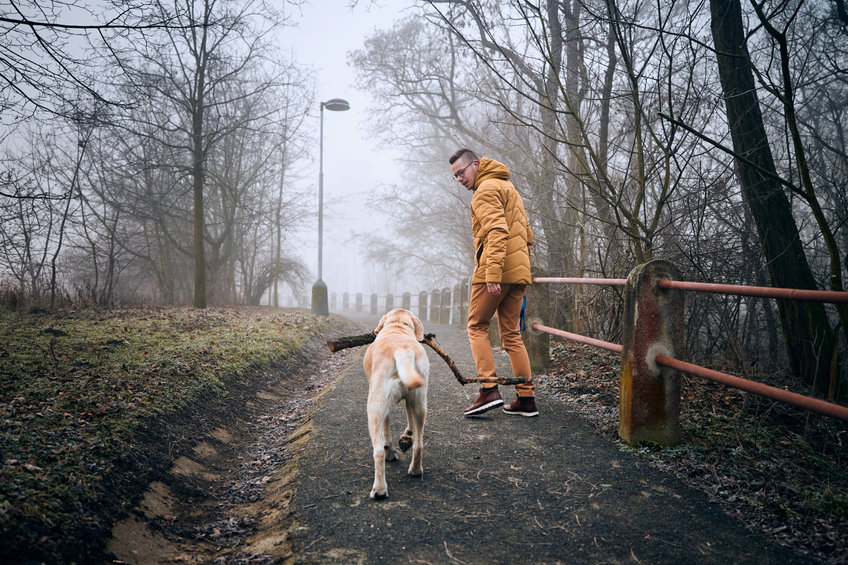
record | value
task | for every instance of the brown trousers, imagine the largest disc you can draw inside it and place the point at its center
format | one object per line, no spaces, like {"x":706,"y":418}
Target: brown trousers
{"x":481,"y":308}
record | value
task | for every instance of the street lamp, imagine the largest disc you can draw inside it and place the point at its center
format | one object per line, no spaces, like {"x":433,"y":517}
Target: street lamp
{"x":320,"y":306}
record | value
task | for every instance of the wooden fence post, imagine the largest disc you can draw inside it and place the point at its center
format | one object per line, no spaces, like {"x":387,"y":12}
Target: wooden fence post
{"x":390,"y":302}
{"x":373,"y":302}
{"x":422,"y":306}
{"x":359,"y":302}
{"x":649,"y":405}
{"x":332,"y":301}
{"x":406,"y":301}
{"x":346,"y":301}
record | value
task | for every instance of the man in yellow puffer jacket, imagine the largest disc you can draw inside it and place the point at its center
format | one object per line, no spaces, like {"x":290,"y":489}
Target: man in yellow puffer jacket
{"x":502,"y":240}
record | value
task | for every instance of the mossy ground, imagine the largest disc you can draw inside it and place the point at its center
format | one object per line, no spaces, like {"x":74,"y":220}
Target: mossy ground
{"x":79,"y":388}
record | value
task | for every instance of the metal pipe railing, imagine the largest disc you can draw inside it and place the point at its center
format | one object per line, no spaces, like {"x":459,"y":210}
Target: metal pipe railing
{"x":581,"y":280}
{"x":805,"y":402}
{"x":762,"y":291}
{"x":798,"y":400}
{"x":614,"y":347}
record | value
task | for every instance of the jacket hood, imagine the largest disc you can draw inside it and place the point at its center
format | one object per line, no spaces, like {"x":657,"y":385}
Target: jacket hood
{"x":490,"y":169}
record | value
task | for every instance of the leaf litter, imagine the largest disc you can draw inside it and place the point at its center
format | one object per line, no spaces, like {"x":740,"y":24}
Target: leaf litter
{"x":776,"y":468}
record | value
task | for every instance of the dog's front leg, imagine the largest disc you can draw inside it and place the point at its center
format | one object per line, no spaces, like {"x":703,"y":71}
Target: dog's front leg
{"x":378,"y":445}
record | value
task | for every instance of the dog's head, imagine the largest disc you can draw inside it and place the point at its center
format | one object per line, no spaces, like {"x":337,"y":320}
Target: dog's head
{"x":404,"y":318}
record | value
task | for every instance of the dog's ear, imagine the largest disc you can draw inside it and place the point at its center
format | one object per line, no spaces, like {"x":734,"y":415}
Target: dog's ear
{"x":380,"y":325}
{"x":419,"y":328}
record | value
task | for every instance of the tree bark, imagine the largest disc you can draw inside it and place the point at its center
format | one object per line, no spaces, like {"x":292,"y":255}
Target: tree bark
{"x":808,"y":336}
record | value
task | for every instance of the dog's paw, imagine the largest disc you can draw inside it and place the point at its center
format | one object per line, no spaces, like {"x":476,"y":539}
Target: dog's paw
{"x":405,"y":441}
{"x":377,"y":496}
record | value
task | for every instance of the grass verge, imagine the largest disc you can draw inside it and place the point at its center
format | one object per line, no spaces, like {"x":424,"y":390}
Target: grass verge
{"x":78,"y":387}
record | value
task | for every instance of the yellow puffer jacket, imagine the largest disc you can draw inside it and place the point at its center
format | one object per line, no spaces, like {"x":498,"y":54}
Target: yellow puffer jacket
{"x":502,"y":234}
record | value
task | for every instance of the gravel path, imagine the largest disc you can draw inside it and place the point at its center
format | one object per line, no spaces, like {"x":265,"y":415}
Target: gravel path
{"x":497,"y":488}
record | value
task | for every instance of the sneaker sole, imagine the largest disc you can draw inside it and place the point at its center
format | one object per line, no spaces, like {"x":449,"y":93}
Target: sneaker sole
{"x":525,"y":414}
{"x":484,"y":408}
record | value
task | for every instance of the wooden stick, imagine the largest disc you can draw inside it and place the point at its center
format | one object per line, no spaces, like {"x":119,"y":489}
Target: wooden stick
{"x":351,"y":341}
{"x":364,"y":339}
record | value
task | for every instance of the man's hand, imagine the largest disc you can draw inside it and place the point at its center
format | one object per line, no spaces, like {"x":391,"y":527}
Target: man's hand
{"x":494,"y":288}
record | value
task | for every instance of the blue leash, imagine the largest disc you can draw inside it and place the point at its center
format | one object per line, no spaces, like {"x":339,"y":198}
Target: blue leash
{"x":523,"y":306}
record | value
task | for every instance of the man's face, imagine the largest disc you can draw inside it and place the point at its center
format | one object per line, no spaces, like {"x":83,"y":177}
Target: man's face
{"x":465,"y":171}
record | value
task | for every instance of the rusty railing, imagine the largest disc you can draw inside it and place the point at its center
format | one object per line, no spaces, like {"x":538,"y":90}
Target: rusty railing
{"x":652,"y":332}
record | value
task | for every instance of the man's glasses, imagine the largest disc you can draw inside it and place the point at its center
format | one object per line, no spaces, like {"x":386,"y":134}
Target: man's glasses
{"x":461,"y":172}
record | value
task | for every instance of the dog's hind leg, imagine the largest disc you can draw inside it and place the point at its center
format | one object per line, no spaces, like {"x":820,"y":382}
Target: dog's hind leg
{"x":387,"y":438}
{"x":376,"y":421}
{"x":416,"y":412}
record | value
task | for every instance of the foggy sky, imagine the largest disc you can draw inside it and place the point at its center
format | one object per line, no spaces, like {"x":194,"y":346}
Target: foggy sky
{"x":354,"y":167}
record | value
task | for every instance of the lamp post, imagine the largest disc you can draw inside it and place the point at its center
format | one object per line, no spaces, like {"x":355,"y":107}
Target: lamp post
{"x":320,"y":306}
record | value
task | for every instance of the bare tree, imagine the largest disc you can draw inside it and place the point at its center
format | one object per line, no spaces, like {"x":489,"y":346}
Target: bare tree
{"x":810,"y":340}
{"x":45,"y":62}
{"x":194,"y":70}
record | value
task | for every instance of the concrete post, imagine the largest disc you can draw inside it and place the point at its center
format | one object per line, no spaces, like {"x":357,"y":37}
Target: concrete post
{"x":422,"y":306}
{"x":538,"y":310}
{"x":495,"y":333}
{"x":406,"y":301}
{"x":464,"y":296}
{"x":455,"y":304}
{"x":346,"y":301}
{"x":435,"y":295}
{"x":390,"y":302}
{"x":649,"y":406}
{"x":373,"y":302}
{"x":444,"y":306}
{"x":359,"y":302}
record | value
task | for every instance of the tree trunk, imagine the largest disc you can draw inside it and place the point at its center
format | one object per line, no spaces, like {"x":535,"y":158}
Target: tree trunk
{"x":199,"y":224}
{"x":807,"y":333}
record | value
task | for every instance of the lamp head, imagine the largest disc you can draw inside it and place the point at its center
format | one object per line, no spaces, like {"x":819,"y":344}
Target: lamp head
{"x":336,"y":104}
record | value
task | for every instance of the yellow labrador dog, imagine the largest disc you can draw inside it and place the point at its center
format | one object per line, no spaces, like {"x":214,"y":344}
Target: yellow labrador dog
{"x":397,"y":368}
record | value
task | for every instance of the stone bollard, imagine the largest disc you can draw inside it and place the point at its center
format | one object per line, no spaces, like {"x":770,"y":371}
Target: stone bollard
{"x":320,"y":306}
{"x":538,"y":311}
{"x":422,"y":306}
{"x":406,"y":301}
{"x":649,"y":405}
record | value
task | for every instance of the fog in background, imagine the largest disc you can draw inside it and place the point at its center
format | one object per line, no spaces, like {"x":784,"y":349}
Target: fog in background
{"x":155,"y":167}
{"x":356,"y":167}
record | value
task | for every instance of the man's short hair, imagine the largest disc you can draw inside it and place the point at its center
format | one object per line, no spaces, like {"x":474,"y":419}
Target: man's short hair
{"x":462,"y":153}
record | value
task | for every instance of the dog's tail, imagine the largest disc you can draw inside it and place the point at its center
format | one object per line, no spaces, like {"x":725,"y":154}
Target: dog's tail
{"x":409,"y":375}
